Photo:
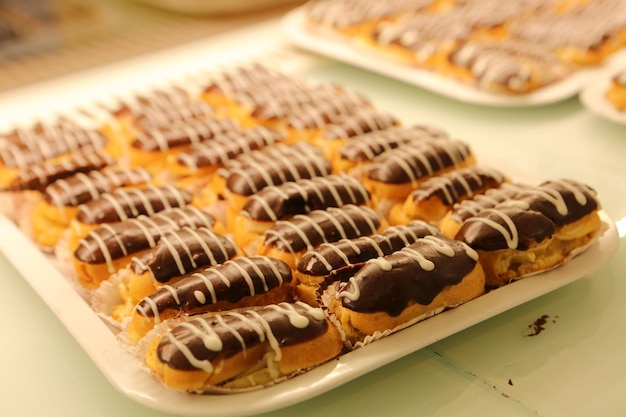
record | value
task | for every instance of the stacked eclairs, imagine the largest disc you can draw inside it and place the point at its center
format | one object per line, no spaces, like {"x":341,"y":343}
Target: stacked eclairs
{"x":260,"y":225}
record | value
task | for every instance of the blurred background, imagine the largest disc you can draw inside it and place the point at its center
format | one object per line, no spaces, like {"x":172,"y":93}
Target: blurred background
{"x":42,"y":39}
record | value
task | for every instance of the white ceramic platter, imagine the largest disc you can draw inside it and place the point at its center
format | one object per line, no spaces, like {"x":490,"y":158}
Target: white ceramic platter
{"x":336,"y":47}
{"x":593,"y":94}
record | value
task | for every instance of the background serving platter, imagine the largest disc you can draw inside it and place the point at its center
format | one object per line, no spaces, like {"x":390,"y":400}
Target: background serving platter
{"x":127,"y":375}
{"x":342,"y":49}
{"x":593,"y":93}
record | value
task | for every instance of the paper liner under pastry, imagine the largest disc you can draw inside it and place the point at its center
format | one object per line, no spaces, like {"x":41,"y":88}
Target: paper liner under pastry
{"x":326,"y":293}
{"x":574,"y":253}
{"x":106,"y":298}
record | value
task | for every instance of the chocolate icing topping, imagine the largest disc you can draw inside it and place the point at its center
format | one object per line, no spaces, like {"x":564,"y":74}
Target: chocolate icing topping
{"x":301,"y":197}
{"x":231,"y":281}
{"x":326,"y":110}
{"x":305,"y":232}
{"x":224,"y":147}
{"x":491,"y":198}
{"x":368,"y":145}
{"x":415,"y":274}
{"x":112,"y":241}
{"x":328,"y":258}
{"x":183,"y":133}
{"x":274,"y":165}
{"x":455,"y":185}
{"x":36,"y":145}
{"x":411,"y":162}
{"x":39,"y":176}
{"x":195,"y":344}
{"x":124,"y":203}
{"x":361,"y":121}
{"x":81,"y":188}
{"x":162,"y":107}
{"x":182,"y":251}
{"x":510,"y":225}
{"x":562,"y":201}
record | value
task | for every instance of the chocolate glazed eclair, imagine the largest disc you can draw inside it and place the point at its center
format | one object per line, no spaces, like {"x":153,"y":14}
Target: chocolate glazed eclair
{"x":250,"y":173}
{"x":263,"y":209}
{"x":414,"y":283}
{"x":178,"y":253}
{"x":123,"y":204}
{"x":290,"y":239}
{"x":61,"y":199}
{"x":331,"y":261}
{"x":435,"y":196}
{"x":109,"y":248}
{"x":394,"y":174}
{"x":538,"y":229}
{"x":364,"y":148}
{"x":243,"y":349}
{"x":235,"y":284}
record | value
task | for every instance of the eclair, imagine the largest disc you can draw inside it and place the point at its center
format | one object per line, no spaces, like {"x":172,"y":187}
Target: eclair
{"x":155,"y":147}
{"x":436,"y":196}
{"x":239,"y":90}
{"x":394,"y":174}
{"x":234,"y":284}
{"x":61,"y":199}
{"x":538,"y":229}
{"x":240,"y":350}
{"x":304,"y":110}
{"x":264,"y":208}
{"x":346,"y":127}
{"x":575,"y":35}
{"x":512,"y":67}
{"x":332,"y":261}
{"x":177,"y":253}
{"x":122,"y":204}
{"x":196,"y":165}
{"x":22,"y":148}
{"x":461,"y":211}
{"x":110,"y":247}
{"x":250,"y":173}
{"x":391,"y":292}
{"x":289,"y":239}
{"x":25,"y":190}
{"x":39,"y":175}
{"x":364,"y":148}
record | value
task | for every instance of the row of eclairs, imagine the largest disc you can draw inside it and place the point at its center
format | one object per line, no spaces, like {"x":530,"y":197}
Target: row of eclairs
{"x":246,"y":230}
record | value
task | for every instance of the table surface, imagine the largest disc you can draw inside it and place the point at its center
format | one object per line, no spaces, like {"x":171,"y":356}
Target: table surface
{"x":575,"y":367}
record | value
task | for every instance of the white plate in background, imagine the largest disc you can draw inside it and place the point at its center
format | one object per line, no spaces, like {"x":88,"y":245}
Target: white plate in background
{"x":593,"y":94}
{"x":336,"y":47}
